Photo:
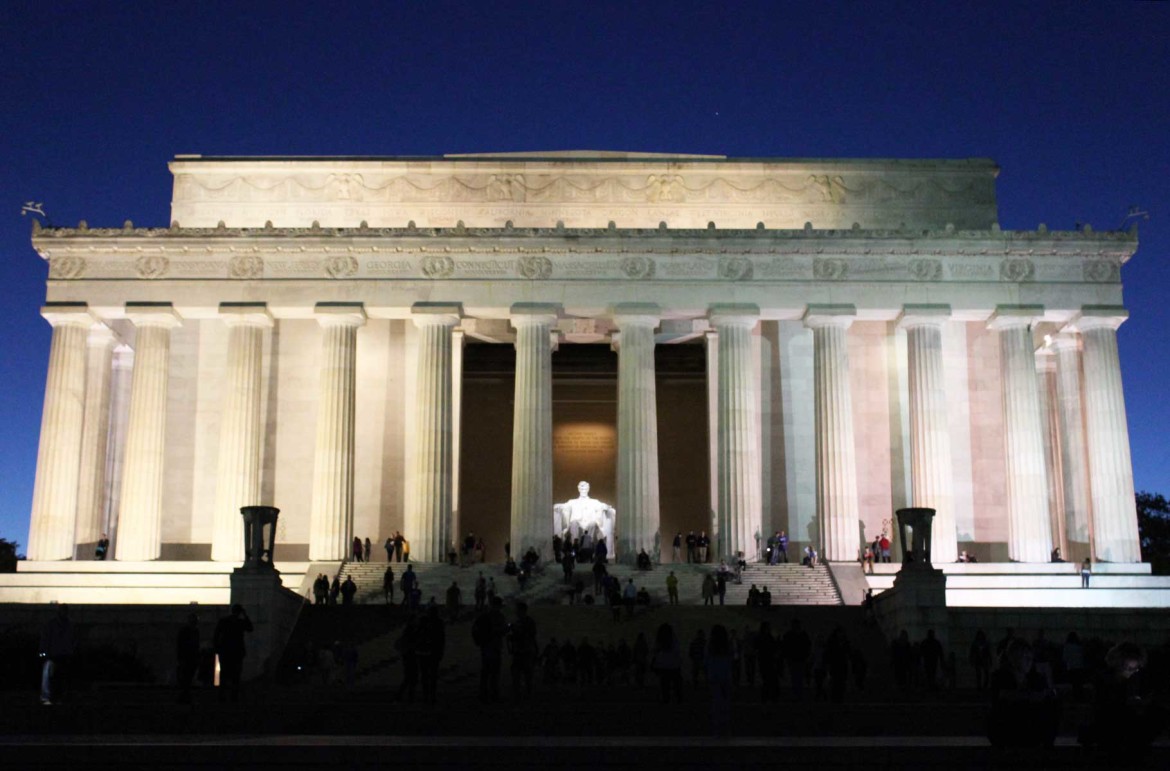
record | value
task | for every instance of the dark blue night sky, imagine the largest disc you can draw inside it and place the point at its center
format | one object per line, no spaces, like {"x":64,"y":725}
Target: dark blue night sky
{"x":1070,"y":98}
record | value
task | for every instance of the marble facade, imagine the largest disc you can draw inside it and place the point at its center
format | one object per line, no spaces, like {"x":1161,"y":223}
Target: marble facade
{"x":296,"y":336}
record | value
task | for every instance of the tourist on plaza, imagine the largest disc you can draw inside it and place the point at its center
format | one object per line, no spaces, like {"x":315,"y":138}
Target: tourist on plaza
{"x":867,"y":560}
{"x":389,"y":547}
{"x":753,"y":597}
{"x":599,"y":574}
{"x":348,"y":590}
{"x":721,"y":584}
{"x":782,"y":546}
{"x":56,"y":649}
{"x":765,"y":597}
{"x":884,"y":547}
{"x":230,"y":648}
{"x":488,"y":635}
{"x":672,"y":588}
{"x":187,"y":657}
{"x":454,"y":597}
{"x":810,"y":556}
{"x":366,"y":545}
{"x":409,"y":582}
{"x":708,"y":590}
{"x":643,"y":560}
{"x":103,"y":547}
{"x":388,"y":585}
{"x":1086,"y":572}
{"x":356,"y":549}
{"x":568,"y":564}
{"x":523,"y":646}
{"x":430,"y":644}
{"x":479,"y":551}
{"x":398,"y":541}
{"x":405,"y":550}
{"x":692,"y":542}
{"x":558,"y":546}
{"x":480,"y":592}
{"x":335,"y":589}
{"x":407,"y":645}
{"x":320,"y":589}
{"x":676,"y":546}
{"x":666,"y":662}
{"x":702,"y":543}
{"x":718,"y":665}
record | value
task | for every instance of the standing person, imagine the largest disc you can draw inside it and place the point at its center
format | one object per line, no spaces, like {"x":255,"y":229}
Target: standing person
{"x":701,"y":544}
{"x":721,"y":585}
{"x":389,"y":547}
{"x":867,"y":560}
{"x":718,"y":666}
{"x":388,"y":585}
{"x":398,"y":545}
{"x":186,"y":657}
{"x":430,"y":645}
{"x":692,"y":542}
{"x":321,"y":589}
{"x":708,"y":589}
{"x":480,"y":592}
{"x":366,"y":549}
{"x":407,"y":645}
{"x":103,"y":546}
{"x":409,"y":580}
{"x":782,"y":546}
{"x":454,"y":598}
{"x":230,"y":648}
{"x":357,"y":549}
{"x":884,"y":545}
{"x":676,"y":547}
{"x":335,"y":589}
{"x":488,"y":633}
{"x":405,"y":550}
{"x":629,"y":594}
{"x":1086,"y":571}
{"x":667,"y":663}
{"x":523,"y":646}
{"x":56,"y":652}
{"x":348,"y":590}
{"x":672,"y":588}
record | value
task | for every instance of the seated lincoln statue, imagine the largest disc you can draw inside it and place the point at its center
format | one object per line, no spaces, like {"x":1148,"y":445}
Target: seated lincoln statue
{"x":585,"y":516}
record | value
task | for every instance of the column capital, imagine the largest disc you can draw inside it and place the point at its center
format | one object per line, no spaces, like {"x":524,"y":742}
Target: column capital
{"x":153,"y":314}
{"x":67,"y":314}
{"x":340,"y":314}
{"x":817,"y":316}
{"x":636,"y":314}
{"x":533,"y":314}
{"x":1064,"y":341}
{"x":1014,"y":316}
{"x":246,"y":315}
{"x":100,"y":336}
{"x":1098,"y":317}
{"x":1045,"y":360}
{"x":435,"y":314}
{"x":924,"y":316}
{"x":734,"y":315}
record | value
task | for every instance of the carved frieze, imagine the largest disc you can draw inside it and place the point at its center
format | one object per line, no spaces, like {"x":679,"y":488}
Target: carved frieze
{"x":438,"y":266}
{"x":341,"y":266}
{"x":66,"y":267}
{"x":535,"y":267}
{"x":1017,"y":270}
{"x":638,"y":267}
{"x":246,"y":266}
{"x":1102,"y":271}
{"x":926,"y":270}
{"x":152,"y":266}
{"x":830,"y":269}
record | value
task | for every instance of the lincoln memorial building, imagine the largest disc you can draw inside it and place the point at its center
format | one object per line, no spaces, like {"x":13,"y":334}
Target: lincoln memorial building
{"x":449,"y":345}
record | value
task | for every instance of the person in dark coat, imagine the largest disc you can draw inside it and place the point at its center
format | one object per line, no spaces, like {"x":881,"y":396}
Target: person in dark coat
{"x":430,"y":645}
{"x":229,"y":646}
{"x":348,"y":590}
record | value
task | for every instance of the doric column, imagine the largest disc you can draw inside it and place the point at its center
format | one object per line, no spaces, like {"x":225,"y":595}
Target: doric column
{"x":1115,"y":534}
{"x":931,"y":478}
{"x":428,"y":515}
{"x":1071,"y":422}
{"x":140,"y":518}
{"x":837,"y":507}
{"x":458,"y":340}
{"x":91,"y":487}
{"x":240,"y":430}
{"x":1049,"y":430}
{"x":740,"y":481}
{"x":1029,"y":531}
{"x":331,"y":515}
{"x":532,"y":503}
{"x":54,"y":506}
{"x":637,"y":462}
{"x":121,"y":379}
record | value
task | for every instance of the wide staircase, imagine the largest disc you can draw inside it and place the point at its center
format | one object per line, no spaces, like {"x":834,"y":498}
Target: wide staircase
{"x":789,"y":584}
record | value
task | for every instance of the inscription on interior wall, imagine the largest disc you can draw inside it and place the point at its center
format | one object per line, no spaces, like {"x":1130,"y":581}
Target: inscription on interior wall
{"x":584,"y":441}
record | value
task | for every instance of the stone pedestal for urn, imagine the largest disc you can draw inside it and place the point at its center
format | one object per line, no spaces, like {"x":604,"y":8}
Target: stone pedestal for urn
{"x":257,"y":586}
{"x":918,"y":600}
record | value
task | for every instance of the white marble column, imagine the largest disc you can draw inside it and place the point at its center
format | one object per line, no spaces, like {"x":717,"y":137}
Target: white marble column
{"x":637,"y":462}
{"x":1074,"y":462}
{"x":121,"y":379}
{"x":1115,"y":533}
{"x":241,"y":428}
{"x":1049,"y":430}
{"x":331,"y":513}
{"x":1029,"y":530}
{"x":458,"y":340}
{"x":91,"y":487}
{"x":740,"y":481}
{"x":532,"y":512}
{"x":54,"y":506}
{"x":428,"y":516}
{"x":931,"y":478}
{"x":140,"y":516}
{"x":837,"y":505}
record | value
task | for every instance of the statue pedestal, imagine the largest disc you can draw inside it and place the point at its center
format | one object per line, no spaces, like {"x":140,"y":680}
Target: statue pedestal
{"x":917,"y":603}
{"x":273,"y":610}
